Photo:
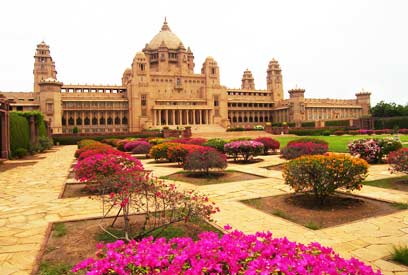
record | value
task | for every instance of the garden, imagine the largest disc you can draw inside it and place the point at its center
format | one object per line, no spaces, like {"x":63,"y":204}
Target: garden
{"x":164,"y":225}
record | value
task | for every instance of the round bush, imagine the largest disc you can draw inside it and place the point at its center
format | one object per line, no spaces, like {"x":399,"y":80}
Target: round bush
{"x":159,"y":151}
{"x":269,"y":144}
{"x":307,"y":139}
{"x":92,"y":146}
{"x":294,"y":150}
{"x":373,"y":150}
{"x":216,"y":143}
{"x":244,"y":149}
{"x":203,"y":159}
{"x":233,"y":253}
{"x":399,"y":160}
{"x":20,"y":152}
{"x":132,"y":146}
{"x":323,"y":174}
{"x":178,"y":152}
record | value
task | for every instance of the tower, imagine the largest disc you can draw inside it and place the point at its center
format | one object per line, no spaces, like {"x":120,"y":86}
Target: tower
{"x":44,"y":67}
{"x":363,"y":99}
{"x":274,"y":80}
{"x":248,"y":81}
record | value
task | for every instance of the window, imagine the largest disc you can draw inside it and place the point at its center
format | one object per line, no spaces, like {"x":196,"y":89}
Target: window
{"x":79,"y":121}
{"x":143,"y":100}
{"x":94,"y":121}
{"x":87,"y":121}
{"x":19,"y":108}
{"x":117,"y":120}
{"x":71,"y":121}
{"x":124,"y":120}
{"x":49,"y":108}
{"x":110,"y":121}
{"x":102,"y":121}
{"x":213,"y":71}
{"x":216,"y":103}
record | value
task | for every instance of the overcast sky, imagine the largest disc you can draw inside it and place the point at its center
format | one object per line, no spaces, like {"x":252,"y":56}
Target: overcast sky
{"x":330,"y":48}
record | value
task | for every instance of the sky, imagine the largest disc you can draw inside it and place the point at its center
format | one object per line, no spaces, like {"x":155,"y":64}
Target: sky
{"x":331,"y":48}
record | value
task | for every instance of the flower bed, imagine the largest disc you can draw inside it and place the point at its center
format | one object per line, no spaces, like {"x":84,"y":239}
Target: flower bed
{"x":269,"y":144}
{"x":296,"y":149}
{"x":233,"y":253}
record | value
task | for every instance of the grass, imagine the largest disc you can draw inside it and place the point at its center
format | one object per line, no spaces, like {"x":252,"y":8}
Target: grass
{"x":337,"y":143}
{"x":47,"y":268}
{"x":400,"y":205}
{"x":385,"y":183}
{"x":59,"y":230}
{"x":281,"y":214}
{"x":312,"y":225}
{"x":400,"y":254}
{"x":169,"y":232}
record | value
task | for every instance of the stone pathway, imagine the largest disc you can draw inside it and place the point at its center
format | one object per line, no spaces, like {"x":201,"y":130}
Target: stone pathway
{"x":29,"y":202}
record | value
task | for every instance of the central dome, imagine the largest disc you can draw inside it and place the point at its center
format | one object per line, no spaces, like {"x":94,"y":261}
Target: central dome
{"x":165,"y":36}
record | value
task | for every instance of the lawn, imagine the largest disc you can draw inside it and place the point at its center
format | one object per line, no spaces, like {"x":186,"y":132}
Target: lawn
{"x":338,"y":143}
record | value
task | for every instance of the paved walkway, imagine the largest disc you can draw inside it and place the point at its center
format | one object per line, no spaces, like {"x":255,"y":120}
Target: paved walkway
{"x":29,"y":201}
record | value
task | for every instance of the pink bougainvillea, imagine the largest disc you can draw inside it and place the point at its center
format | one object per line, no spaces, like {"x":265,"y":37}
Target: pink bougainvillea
{"x":233,"y":253}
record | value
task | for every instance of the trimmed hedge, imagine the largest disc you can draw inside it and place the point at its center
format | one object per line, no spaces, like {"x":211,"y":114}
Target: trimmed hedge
{"x":342,"y":123}
{"x":73,"y":140}
{"x":307,"y":132}
{"x":19,"y":133}
{"x":391,"y":122}
{"x":308,"y":124}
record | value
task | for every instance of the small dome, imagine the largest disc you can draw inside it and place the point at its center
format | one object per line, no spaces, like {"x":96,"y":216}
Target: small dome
{"x":166,"y":37}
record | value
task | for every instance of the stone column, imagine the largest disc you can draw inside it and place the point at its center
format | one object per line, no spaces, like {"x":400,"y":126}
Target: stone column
{"x":173,"y":117}
{"x":194,"y":116}
{"x":180,"y":117}
{"x":160,"y":118}
{"x":188,"y":117}
{"x":166,"y":116}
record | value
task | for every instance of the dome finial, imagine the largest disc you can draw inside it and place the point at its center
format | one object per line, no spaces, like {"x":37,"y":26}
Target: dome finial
{"x":165,"y":26}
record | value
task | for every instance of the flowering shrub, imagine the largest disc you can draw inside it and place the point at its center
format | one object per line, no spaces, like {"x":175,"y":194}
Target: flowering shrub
{"x":123,"y":184}
{"x":233,"y":253}
{"x":367,"y":149}
{"x":85,"y":142}
{"x":269,"y":144}
{"x":91,"y":152}
{"x":155,"y":141}
{"x":216,"y":143}
{"x":121,"y":144}
{"x":160,"y":151}
{"x":295,"y":150}
{"x":244,"y":149}
{"x":323,"y":174}
{"x":399,"y":160}
{"x":98,"y":166}
{"x":203,"y":159}
{"x":92,"y":146}
{"x":307,"y":139}
{"x":138,"y":147}
{"x":178,"y":152}
{"x":111,"y":141}
{"x":195,"y":141}
{"x":373,"y":150}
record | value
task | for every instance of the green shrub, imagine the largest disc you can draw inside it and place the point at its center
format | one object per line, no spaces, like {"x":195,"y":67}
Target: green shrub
{"x":45,"y":143}
{"x":332,"y":123}
{"x":216,"y":143}
{"x":400,"y":254}
{"x":42,"y":130}
{"x":308,"y":124}
{"x":306,"y":132}
{"x":75,"y":130}
{"x":390,"y":123}
{"x":306,"y":139}
{"x":19,"y":132}
{"x":321,"y":175}
{"x":20,"y":152}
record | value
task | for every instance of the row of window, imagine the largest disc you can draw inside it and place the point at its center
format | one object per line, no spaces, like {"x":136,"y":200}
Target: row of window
{"x":250,"y":119}
{"x":262,"y":105}
{"x":94,"y":121}
{"x":180,"y":103}
{"x":92,"y":90}
{"x":249,"y":93}
{"x":178,"y":80}
{"x":94,"y":104}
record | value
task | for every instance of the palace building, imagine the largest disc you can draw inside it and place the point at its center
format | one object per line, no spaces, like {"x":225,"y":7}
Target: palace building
{"x":161,"y":88}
